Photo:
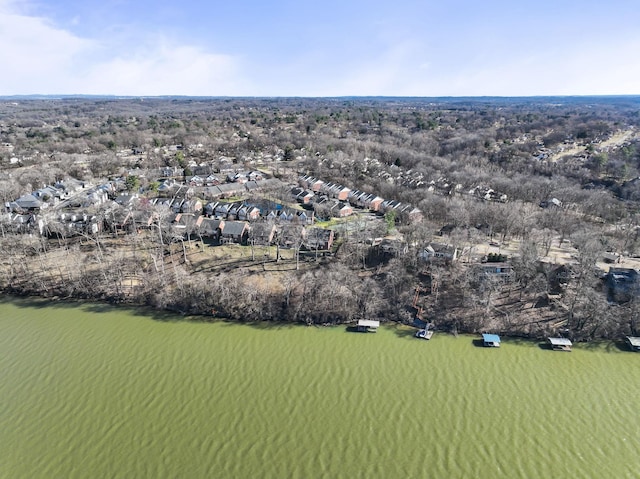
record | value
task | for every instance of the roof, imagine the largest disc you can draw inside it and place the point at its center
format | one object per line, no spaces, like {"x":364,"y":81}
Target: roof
{"x":491,"y":338}
{"x":560,"y":342}
{"x":28,"y":201}
{"x":234,"y":228}
{"x":369,"y":323}
{"x":634,"y":341}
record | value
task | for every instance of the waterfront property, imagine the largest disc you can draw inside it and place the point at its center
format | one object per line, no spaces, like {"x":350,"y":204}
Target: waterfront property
{"x":634,"y":343}
{"x":368,"y":325}
{"x":560,"y":344}
{"x":491,"y":340}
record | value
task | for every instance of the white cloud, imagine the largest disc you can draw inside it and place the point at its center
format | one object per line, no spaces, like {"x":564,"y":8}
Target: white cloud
{"x":38,"y":57}
{"x":34,"y":52}
{"x":165,"y":68}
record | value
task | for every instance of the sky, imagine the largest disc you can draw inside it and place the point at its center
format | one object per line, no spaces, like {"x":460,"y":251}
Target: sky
{"x":320,"y":48}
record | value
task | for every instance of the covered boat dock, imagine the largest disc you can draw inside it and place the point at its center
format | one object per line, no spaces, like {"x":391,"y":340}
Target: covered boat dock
{"x":634,"y":343}
{"x":560,"y":344}
{"x":491,"y":340}
{"x":368,"y":325}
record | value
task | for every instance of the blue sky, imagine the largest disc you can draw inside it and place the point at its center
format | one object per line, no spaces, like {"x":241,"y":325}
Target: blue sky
{"x":320,"y":48}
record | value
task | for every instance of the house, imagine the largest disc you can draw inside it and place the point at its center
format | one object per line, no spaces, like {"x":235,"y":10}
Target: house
{"x":491,"y":340}
{"x":98,"y":196}
{"x":393,"y":247}
{"x":497,"y":270}
{"x":438,"y":253}
{"x":310,"y":182}
{"x":415,"y":215}
{"x":249,"y":213}
{"x":72,"y":224}
{"x":126,"y":199}
{"x":255,"y":175}
{"x":170,"y":171}
{"x":234,"y":232}
{"x":212,"y":180}
{"x":611,"y":257}
{"x":318,"y":239}
{"x":262,"y":233}
{"x":191,"y":206}
{"x":210,"y":228}
{"x":301,"y":195}
{"x":622,"y":283}
{"x":290,"y":235}
{"x":340,"y":210}
{"x":209,"y":208}
{"x":285,"y":214}
{"x":49,"y":194}
{"x":26,"y":203}
{"x":186,"y":224}
{"x":316,"y":185}
{"x":233,"y":211}
{"x":272,"y":215}
{"x":305,"y":217}
{"x":22,"y":223}
{"x":196,"y":181}
{"x":222,"y":210}
{"x":375,"y":204}
{"x":552,"y":203}
{"x":224,"y":190}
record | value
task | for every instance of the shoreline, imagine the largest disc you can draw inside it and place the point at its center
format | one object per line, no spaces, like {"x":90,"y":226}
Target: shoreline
{"x":169,"y":315}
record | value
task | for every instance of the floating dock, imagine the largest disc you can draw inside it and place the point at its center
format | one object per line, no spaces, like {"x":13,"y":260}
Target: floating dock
{"x":424,"y":334}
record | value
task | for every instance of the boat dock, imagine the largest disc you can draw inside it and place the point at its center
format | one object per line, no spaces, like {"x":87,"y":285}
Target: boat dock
{"x":491,"y":340}
{"x":368,"y":325}
{"x":560,"y":344}
{"x":634,"y":343}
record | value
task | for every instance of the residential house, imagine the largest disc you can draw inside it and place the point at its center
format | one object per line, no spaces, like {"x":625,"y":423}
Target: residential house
{"x":341,"y":210}
{"x":262,"y":233}
{"x":210,"y":229}
{"x":212,"y":180}
{"x":126,"y":199}
{"x":196,"y":181}
{"x":393,"y":247}
{"x":376,"y":204}
{"x":235,"y":232}
{"x":495,"y":270}
{"x":222,"y":210}
{"x":316,"y":239}
{"x":622,"y":283}
{"x":49,"y":194}
{"x":248,"y":213}
{"x":186,"y":224}
{"x":26,"y":203}
{"x":191,"y":206}
{"x":438,"y":253}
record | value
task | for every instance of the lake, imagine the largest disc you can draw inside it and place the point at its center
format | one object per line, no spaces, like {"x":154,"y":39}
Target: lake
{"x":88,"y":390}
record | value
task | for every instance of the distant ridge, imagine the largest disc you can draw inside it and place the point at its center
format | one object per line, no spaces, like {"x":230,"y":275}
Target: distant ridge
{"x":446,"y":99}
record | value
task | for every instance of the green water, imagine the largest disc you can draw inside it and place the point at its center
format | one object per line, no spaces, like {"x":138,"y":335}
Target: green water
{"x":93,"y":392}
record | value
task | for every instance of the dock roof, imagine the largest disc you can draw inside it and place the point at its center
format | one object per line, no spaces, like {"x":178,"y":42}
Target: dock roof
{"x":634,"y":342}
{"x":369,"y":323}
{"x":491,"y":338}
{"x":560,"y":342}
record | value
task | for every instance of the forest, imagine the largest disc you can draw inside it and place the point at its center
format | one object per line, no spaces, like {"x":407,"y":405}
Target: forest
{"x":528,"y":220}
